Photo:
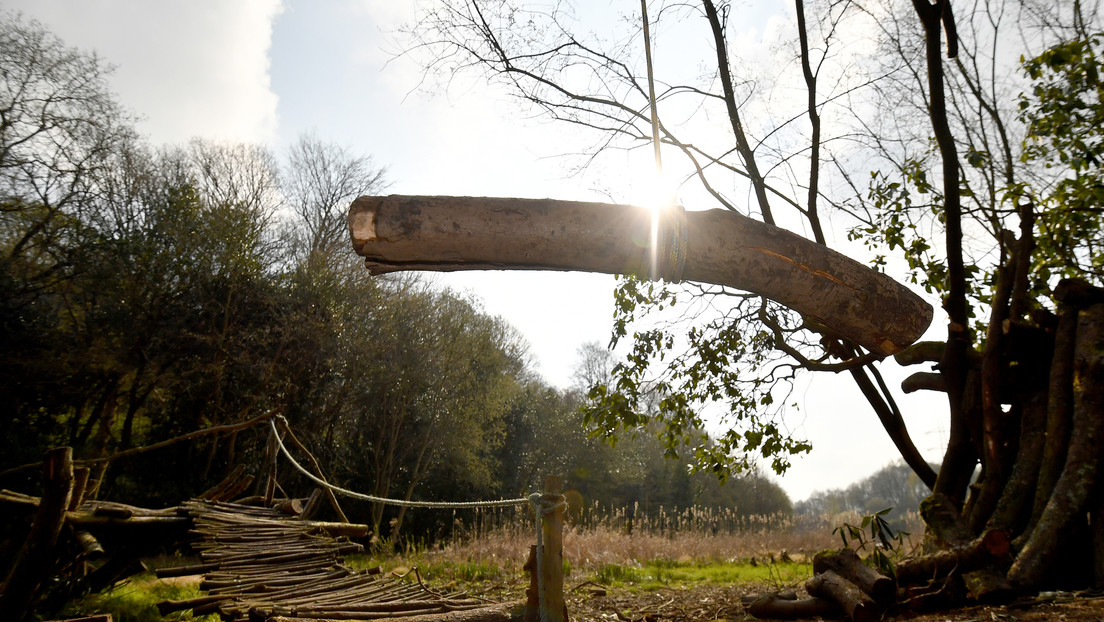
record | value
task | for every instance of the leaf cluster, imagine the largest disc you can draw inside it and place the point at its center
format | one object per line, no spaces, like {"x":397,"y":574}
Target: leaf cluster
{"x":1064,"y":113}
{"x":708,"y":367}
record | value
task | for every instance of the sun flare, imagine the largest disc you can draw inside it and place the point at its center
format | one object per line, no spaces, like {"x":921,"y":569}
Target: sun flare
{"x":655,"y":191}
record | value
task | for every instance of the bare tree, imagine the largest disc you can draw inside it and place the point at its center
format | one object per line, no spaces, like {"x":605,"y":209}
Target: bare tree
{"x":320,"y":181}
{"x":60,"y":129}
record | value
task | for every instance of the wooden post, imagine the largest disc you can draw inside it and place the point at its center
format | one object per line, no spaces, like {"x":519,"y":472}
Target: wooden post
{"x":270,"y":481}
{"x":80,"y":486}
{"x":95,"y":480}
{"x":35,"y":561}
{"x":551,"y":566}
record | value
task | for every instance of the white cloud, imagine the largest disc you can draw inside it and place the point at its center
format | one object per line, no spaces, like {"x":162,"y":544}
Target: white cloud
{"x":187,"y":67}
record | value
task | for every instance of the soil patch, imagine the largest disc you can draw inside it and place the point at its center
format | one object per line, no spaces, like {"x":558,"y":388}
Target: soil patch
{"x":710,"y":602}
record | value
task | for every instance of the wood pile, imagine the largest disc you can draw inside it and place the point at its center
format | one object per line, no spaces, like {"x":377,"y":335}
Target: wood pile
{"x":261,"y":564}
{"x":843,"y":585}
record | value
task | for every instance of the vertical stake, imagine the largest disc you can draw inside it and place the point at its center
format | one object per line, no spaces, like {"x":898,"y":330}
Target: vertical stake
{"x":270,"y":482}
{"x":552,"y":565}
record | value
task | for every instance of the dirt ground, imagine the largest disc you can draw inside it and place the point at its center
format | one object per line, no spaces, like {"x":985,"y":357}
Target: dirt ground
{"x":592,"y":603}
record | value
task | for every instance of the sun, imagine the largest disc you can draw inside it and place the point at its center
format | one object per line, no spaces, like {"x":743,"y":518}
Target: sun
{"x":653,"y":189}
{"x":657,"y":192}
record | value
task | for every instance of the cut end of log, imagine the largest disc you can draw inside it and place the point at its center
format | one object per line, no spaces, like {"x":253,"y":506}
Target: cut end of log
{"x":362,"y":223}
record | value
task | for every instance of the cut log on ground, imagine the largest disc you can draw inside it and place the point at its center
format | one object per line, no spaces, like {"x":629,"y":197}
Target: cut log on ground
{"x":846,"y":563}
{"x":853,"y":601}
{"x":776,"y":607}
{"x":714,"y":246}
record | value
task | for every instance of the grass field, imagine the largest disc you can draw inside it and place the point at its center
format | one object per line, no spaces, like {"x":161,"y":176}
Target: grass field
{"x":487,"y":559}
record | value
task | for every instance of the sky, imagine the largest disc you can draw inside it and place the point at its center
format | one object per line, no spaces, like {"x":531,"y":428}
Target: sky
{"x":267,"y":71}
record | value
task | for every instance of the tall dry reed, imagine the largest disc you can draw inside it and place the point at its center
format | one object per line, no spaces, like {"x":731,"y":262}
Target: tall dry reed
{"x":626,"y":536}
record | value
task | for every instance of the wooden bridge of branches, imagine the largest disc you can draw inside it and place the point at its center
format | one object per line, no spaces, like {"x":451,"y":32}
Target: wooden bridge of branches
{"x":261,"y":558}
{"x":261,"y":564}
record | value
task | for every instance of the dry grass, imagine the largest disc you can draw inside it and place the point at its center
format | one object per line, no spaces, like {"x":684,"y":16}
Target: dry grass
{"x":596,"y":539}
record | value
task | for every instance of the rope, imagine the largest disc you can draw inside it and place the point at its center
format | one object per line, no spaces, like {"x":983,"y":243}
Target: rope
{"x":677,"y":249}
{"x":397,"y":502}
{"x":651,"y":87}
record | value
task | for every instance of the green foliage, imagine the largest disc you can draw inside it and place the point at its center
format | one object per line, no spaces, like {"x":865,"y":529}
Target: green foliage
{"x":1064,"y":116}
{"x":895,"y":227}
{"x":1056,"y":172}
{"x":882,"y":540}
{"x":136,"y":600}
{"x":711,"y":364}
{"x":547,"y":432}
{"x":146,"y":292}
{"x":663,"y":573}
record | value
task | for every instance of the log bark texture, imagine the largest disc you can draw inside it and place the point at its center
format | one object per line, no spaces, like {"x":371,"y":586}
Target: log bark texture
{"x":775,"y":607}
{"x":713,"y":246}
{"x":856,"y":604}
{"x":985,"y":584}
{"x":988,"y":549}
{"x":846,"y":563}
{"x":1076,"y":483}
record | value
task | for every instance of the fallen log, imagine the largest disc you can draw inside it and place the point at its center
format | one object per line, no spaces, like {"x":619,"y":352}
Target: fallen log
{"x":846,"y":563}
{"x":776,"y":607}
{"x":491,"y":613}
{"x":100,"y":516}
{"x":291,"y":507}
{"x":853,"y":601}
{"x":713,"y":246}
{"x":90,"y":547}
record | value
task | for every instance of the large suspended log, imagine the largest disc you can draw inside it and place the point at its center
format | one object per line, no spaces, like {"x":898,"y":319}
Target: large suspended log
{"x":715,"y":246}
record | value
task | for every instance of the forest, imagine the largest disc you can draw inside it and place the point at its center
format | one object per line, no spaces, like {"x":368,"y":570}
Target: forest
{"x":151,"y":291}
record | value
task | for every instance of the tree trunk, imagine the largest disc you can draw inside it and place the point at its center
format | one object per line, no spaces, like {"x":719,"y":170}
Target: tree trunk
{"x":713,"y":246}
{"x":950,"y":531}
{"x":1059,"y":414}
{"x":1078,"y":478}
